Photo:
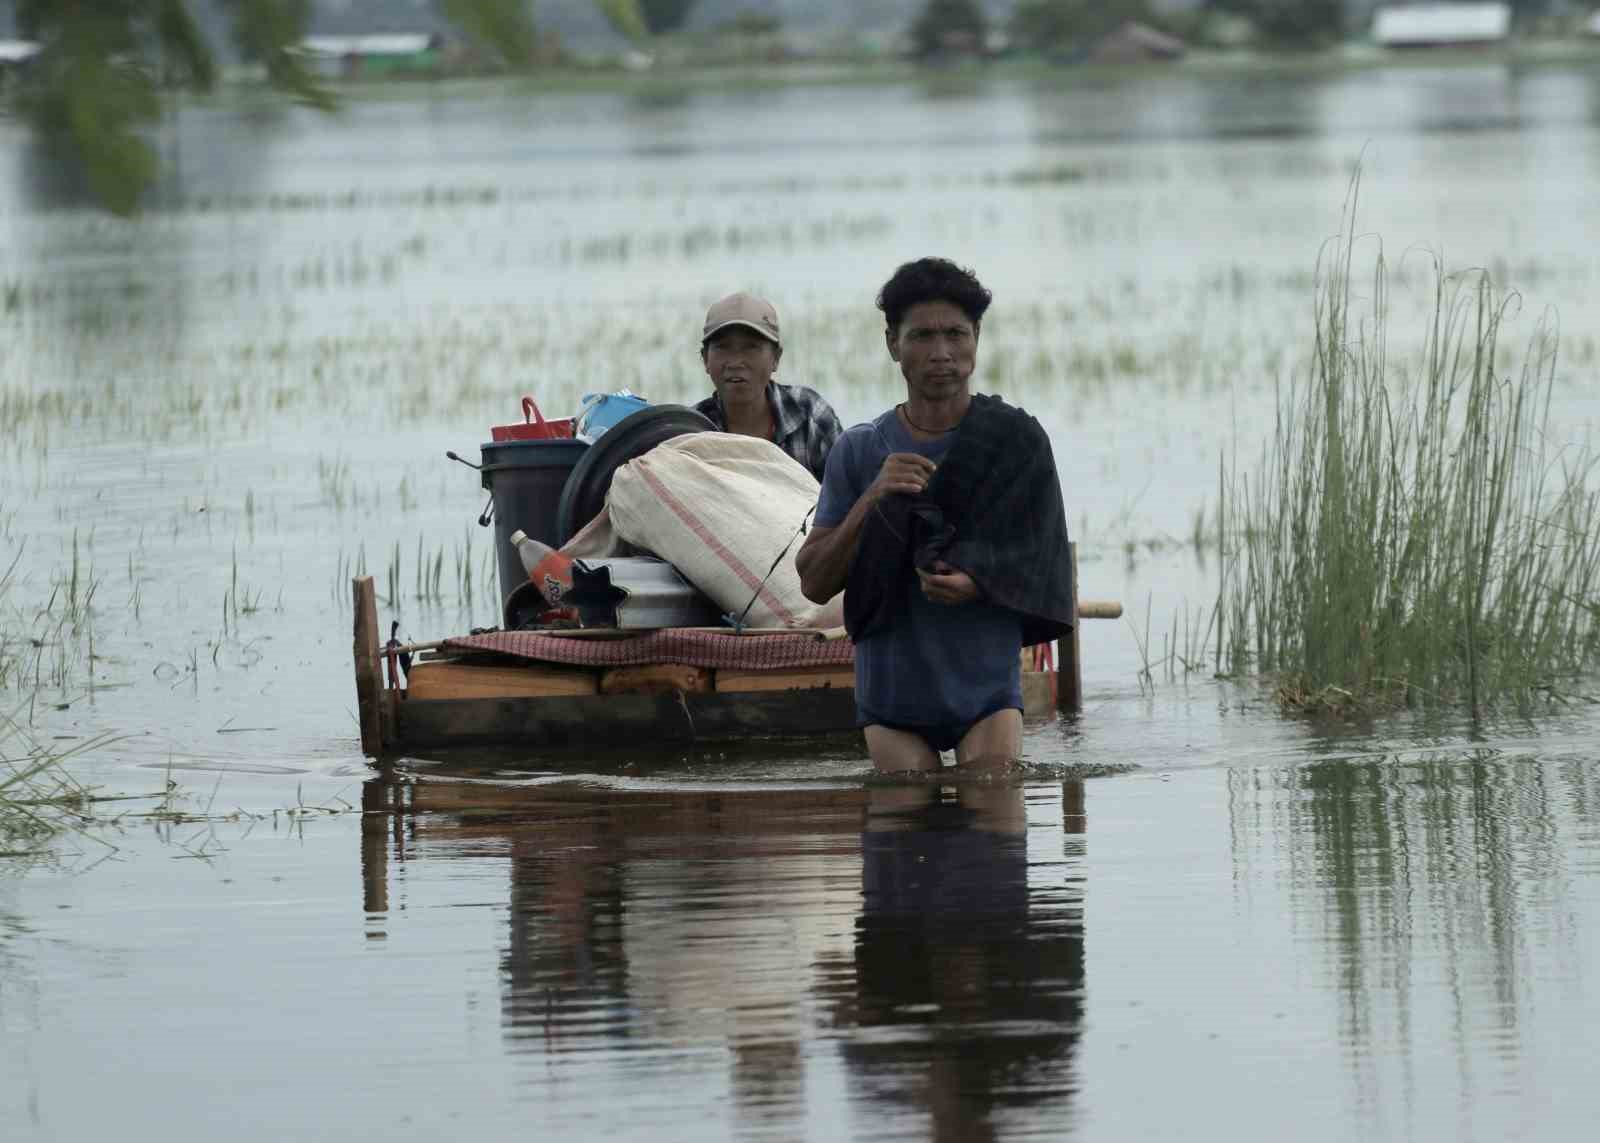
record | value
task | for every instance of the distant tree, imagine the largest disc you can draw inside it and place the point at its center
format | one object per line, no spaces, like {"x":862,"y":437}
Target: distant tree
{"x":1526,"y":13}
{"x":748,"y":22}
{"x":1292,"y":23}
{"x":947,"y":25}
{"x":664,"y":15}
{"x":639,"y":19}
{"x":98,"y":78}
{"x":1051,"y":25}
{"x":502,"y":26}
{"x":626,"y":16}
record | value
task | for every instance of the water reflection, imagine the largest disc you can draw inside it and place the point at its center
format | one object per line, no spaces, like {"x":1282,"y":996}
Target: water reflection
{"x":1438,"y":879}
{"x":891,"y":955}
{"x":973,"y":1000}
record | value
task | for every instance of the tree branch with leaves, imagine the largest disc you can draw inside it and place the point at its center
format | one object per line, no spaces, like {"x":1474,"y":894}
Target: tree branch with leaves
{"x":640,"y":19}
{"x":103,"y":64}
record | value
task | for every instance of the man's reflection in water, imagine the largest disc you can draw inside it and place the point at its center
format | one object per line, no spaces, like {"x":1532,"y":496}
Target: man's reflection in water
{"x":968,"y":992}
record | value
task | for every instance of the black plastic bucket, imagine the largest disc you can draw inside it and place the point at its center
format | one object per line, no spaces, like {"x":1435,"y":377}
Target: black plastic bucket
{"x":526,"y":478}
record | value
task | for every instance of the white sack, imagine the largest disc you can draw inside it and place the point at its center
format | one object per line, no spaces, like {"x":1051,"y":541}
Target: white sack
{"x":719,"y":507}
{"x":596,"y":540}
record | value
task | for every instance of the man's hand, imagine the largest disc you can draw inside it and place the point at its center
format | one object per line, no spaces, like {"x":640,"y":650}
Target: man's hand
{"x":945,"y":584}
{"x":824,"y":560}
{"x":905,"y":472}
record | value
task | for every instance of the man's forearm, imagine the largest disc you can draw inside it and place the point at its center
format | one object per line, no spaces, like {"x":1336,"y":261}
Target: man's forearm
{"x":824,"y":560}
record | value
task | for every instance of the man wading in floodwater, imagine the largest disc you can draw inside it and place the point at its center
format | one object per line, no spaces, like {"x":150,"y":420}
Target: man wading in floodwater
{"x":942,"y":521}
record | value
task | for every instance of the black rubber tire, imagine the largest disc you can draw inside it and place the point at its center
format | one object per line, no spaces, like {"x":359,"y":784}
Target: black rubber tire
{"x":636,"y":434}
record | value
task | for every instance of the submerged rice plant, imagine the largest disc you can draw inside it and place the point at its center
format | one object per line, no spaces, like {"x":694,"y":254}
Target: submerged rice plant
{"x":1415,"y":534}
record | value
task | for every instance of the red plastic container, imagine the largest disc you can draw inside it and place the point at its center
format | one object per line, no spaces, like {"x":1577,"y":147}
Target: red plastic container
{"x":533,"y":427}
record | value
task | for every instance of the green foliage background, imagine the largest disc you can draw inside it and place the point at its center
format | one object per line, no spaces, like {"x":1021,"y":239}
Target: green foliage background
{"x":640,"y":19}
{"x":942,"y":18}
{"x":103,"y":67}
{"x":1050,"y":25}
{"x":664,"y":15}
{"x":1293,"y":23}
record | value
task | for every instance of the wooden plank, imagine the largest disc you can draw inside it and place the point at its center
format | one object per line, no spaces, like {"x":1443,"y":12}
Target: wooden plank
{"x":369,"y":682}
{"x":656,"y":679}
{"x":388,"y":698}
{"x":1099,"y":609}
{"x":623,"y":720}
{"x":791,"y":679}
{"x":451,"y":679}
{"x":1038,"y":692}
{"x":1069,"y":664}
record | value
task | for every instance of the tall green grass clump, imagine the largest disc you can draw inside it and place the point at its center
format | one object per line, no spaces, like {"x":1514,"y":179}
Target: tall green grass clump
{"x":1412,"y":534}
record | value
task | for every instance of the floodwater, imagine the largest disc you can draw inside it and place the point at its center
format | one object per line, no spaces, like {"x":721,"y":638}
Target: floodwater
{"x":1190,"y":917}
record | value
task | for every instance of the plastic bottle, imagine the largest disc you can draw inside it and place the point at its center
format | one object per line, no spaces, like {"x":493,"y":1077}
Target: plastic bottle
{"x":545,"y":566}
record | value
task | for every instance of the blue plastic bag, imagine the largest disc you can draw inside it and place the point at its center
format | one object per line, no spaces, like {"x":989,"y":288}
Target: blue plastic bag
{"x":600,"y":411}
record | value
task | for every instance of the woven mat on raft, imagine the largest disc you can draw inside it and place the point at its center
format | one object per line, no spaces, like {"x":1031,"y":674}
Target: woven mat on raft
{"x":691,"y":648}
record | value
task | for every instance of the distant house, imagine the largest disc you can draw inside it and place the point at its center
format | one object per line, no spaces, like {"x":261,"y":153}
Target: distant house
{"x":1134,"y":42}
{"x":1441,"y":25}
{"x":377,"y":37}
{"x":1593,"y":27}
{"x":14,"y":57}
{"x":374,"y":54}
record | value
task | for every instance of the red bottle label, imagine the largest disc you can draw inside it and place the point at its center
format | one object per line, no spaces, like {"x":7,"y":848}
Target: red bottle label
{"x":553,"y":574}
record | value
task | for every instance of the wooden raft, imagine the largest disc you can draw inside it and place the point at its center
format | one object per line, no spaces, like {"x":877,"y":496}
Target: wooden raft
{"x":463,"y":702}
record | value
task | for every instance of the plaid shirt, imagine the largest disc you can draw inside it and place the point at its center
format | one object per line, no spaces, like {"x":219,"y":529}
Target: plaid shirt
{"x":806,"y":424}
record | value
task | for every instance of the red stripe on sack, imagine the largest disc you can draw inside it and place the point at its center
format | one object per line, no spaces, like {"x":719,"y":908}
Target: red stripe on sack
{"x":718,"y":548}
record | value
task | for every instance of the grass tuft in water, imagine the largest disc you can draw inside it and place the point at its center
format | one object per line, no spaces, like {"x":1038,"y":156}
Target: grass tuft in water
{"x":1415,"y":535}
{"x":39,"y":798}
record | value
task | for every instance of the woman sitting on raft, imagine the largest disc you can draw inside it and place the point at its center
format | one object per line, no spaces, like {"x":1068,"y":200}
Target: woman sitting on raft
{"x":740,"y":347}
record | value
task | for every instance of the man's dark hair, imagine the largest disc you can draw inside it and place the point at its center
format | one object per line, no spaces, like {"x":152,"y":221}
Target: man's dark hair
{"x":932,"y":280}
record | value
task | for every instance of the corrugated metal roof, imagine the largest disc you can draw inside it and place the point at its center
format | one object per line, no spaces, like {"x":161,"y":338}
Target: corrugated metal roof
{"x":346,"y":18}
{"x":1418,"y":25}
{"x":392,"y":44}
{"x":1132,"y":42}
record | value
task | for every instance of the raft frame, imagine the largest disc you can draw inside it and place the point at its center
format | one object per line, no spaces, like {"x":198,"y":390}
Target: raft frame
{"x":392,"y":723}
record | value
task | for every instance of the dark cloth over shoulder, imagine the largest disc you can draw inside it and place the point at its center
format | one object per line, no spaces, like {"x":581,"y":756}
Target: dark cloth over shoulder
{"x":994,"y":510}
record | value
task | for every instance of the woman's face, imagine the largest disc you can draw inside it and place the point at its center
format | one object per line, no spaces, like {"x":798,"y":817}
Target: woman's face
{"x":740,"y":363}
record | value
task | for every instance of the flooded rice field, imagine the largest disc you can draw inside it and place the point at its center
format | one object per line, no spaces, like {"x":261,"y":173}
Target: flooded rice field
{"x":1190,"y":915}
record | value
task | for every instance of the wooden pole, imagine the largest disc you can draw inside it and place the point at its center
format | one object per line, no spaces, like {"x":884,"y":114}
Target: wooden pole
{"x":375,"y":814}
{"x":1072,"y":821}
{"x":1069,"y":664}
{"x":369,"y":682}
